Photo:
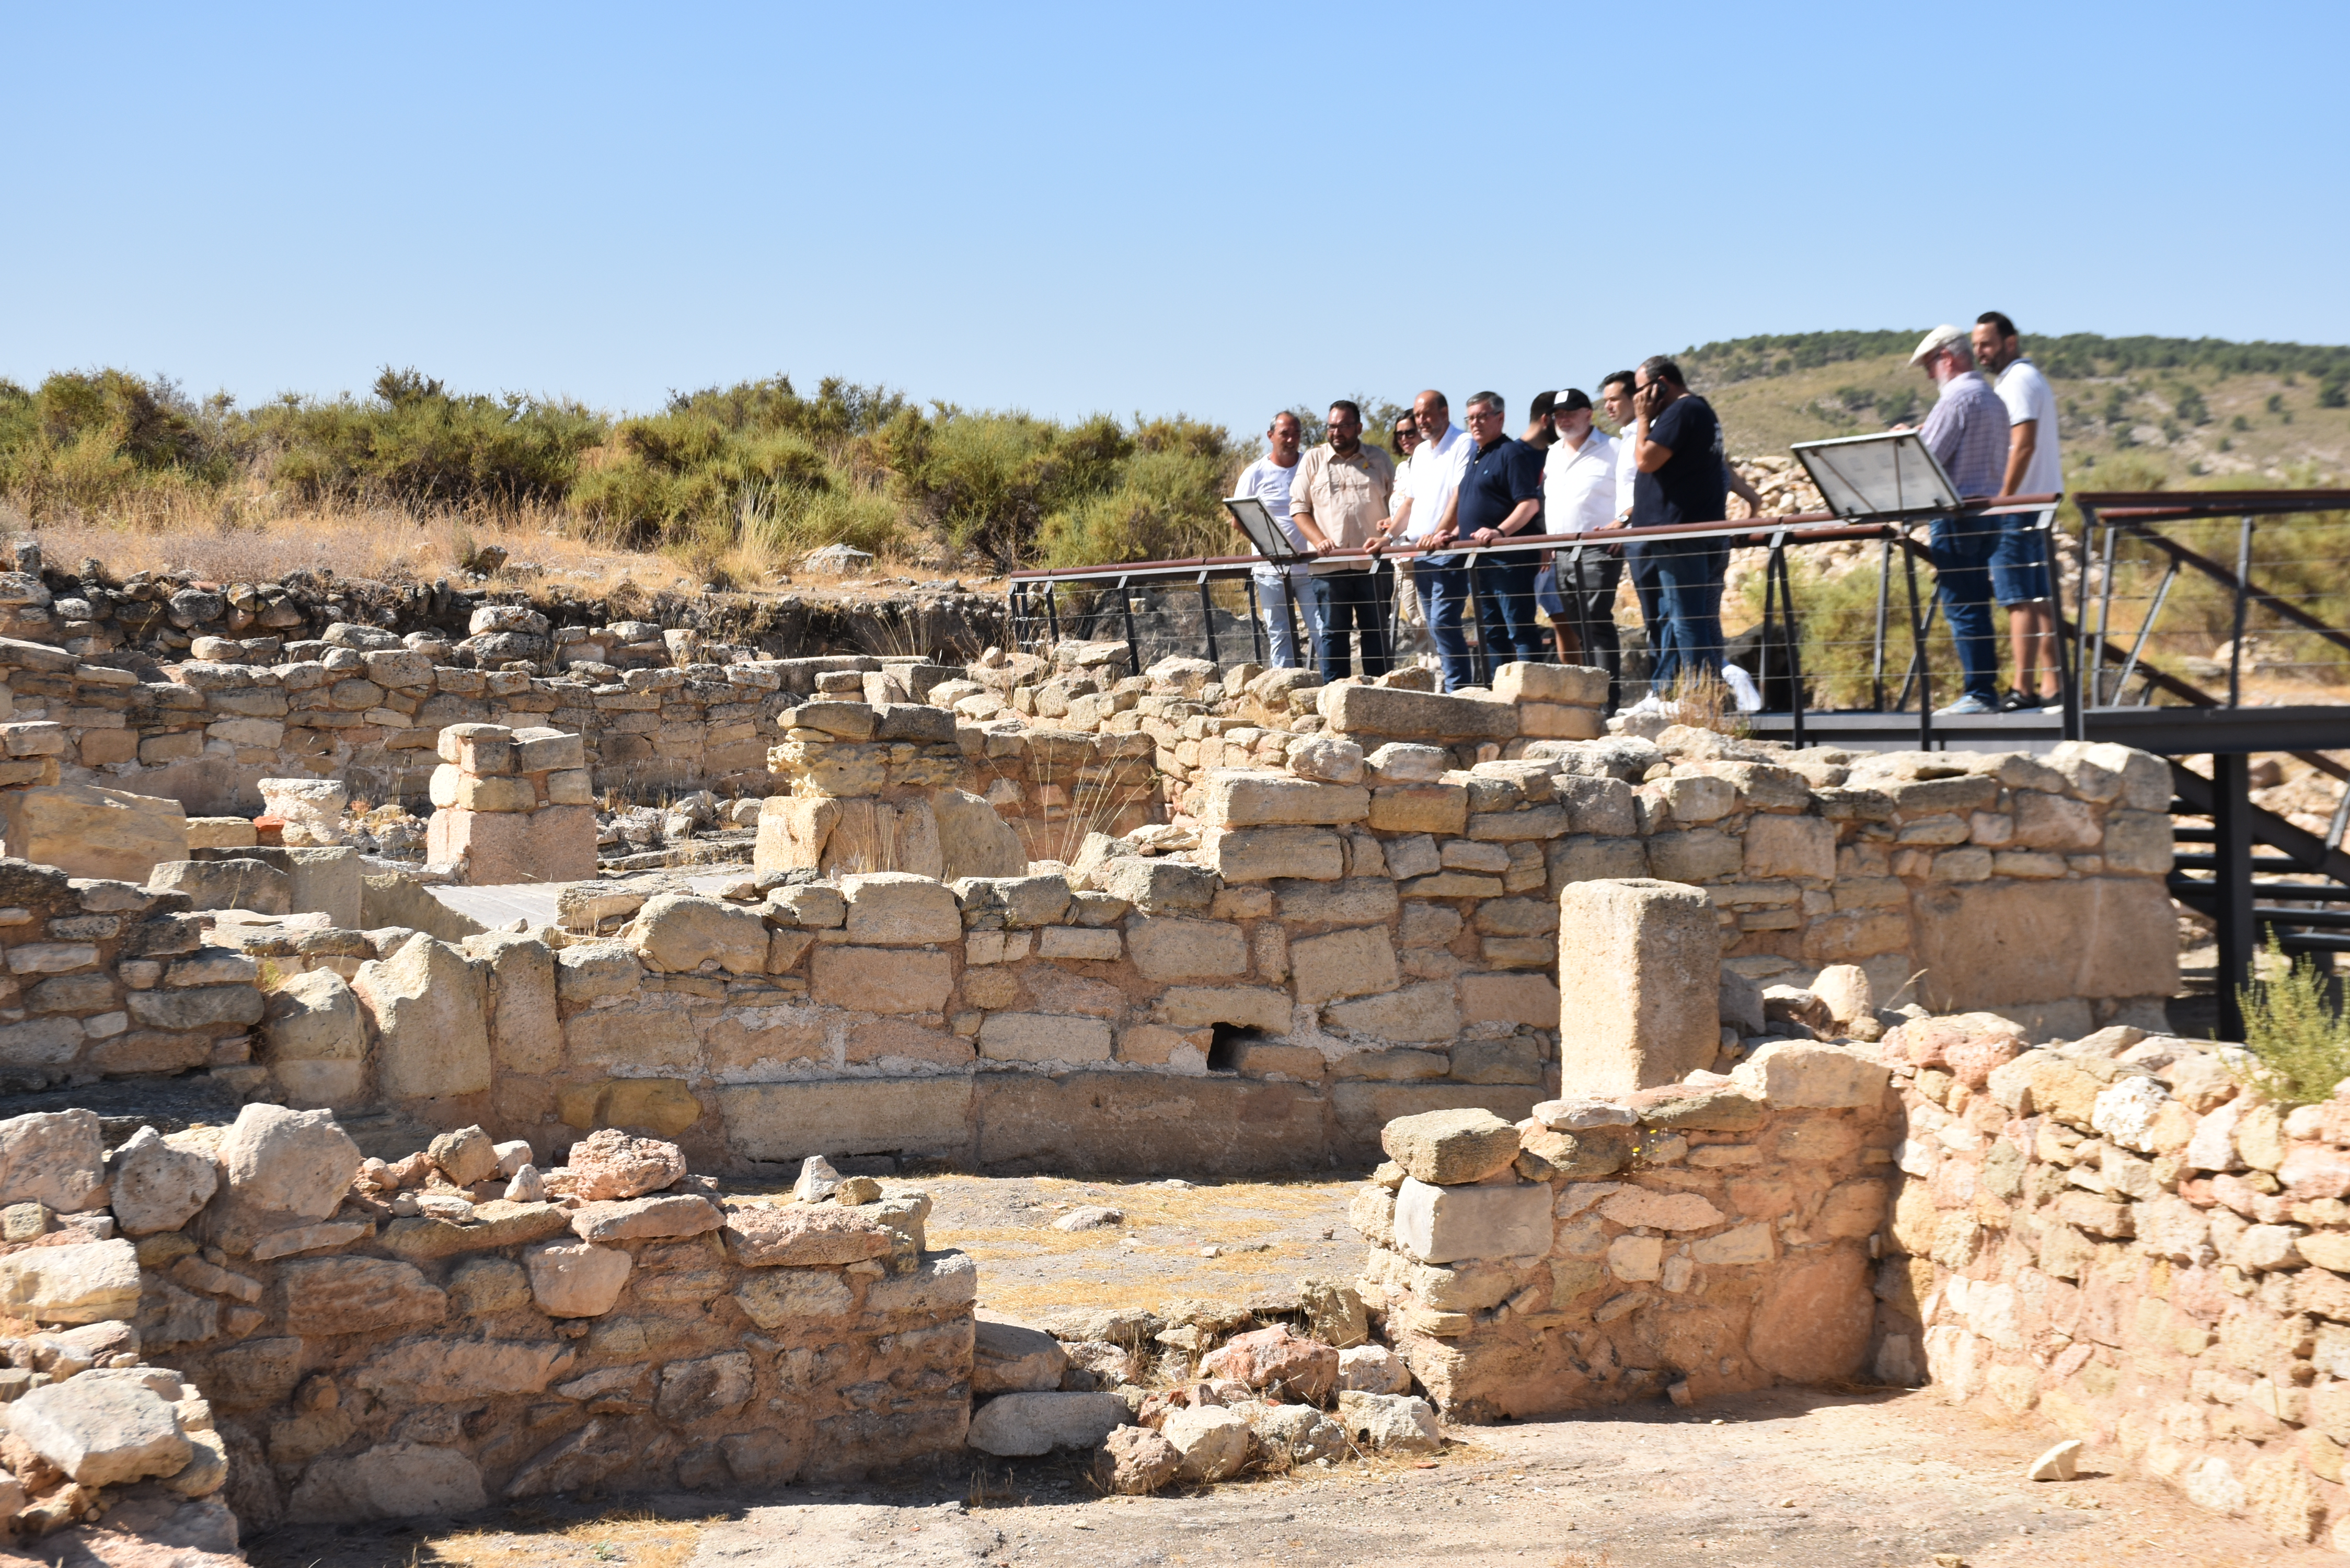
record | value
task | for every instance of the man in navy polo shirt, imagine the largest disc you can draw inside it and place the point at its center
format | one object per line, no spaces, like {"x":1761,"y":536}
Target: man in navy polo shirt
{"x":1501,"y":497}
{"x":1676,"y":444}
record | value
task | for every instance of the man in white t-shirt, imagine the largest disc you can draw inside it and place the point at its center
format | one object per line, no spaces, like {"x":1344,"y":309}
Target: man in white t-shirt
{"x":1269,"y":479}
{"x":1426,"y":513}
{"x":2019,"y":566}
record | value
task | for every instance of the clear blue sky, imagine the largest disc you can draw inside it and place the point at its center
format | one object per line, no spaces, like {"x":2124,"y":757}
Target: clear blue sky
{"x":1218,"y":209}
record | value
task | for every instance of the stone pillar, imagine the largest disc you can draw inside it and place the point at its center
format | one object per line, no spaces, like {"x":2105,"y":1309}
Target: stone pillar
{"x":1639,"y":966}
{"x":512,"y":806}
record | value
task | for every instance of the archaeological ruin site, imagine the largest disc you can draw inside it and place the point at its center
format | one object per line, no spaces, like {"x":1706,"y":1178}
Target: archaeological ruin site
{"x":460,"y":1060}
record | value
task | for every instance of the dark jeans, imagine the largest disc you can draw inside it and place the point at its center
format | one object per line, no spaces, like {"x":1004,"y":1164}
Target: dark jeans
{"x":1680,"y":587}
{"x":1353,"y":601}
{"x":1589,"y":596}
{"x":1443,"y":590}
{"x":1507,"y":626}
{"x":1961,"y":550}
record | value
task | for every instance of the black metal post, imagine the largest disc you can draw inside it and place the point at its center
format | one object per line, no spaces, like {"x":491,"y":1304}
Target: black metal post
{"x":1133,"y":648}
{"x":2232,"y":884}
{"x":1918,"y":643}
{"x":1296,"y":632}
{"x":1795,"y":648}
{"x":1256,"y":619}
{"x":1883,"y":598}
{"x":2243,"y":601}
{"x":2076,"y":724}
{"x":1208,"y":619}
{"x":1052,"y":616}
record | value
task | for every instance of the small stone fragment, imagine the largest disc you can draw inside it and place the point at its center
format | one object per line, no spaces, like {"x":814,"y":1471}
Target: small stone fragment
{"x":2060,"y":1463}
{"x":818,"y":1181}
{"x":1088,"y":1217}
{"x":1136,"y":1461}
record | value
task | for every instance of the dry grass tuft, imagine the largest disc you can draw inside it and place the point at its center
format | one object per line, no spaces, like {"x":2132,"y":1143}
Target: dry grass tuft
{"x":631,"y":1537}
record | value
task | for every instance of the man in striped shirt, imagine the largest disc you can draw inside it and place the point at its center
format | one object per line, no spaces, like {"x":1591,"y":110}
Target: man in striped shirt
{"x":1968,"y":434}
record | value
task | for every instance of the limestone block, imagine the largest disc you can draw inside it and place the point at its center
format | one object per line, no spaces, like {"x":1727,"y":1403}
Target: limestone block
{"x":804,"y":1234}
{"x":1441,"y":1224}
{"x":1044,"y":1037}
{"x":1639,"y":1207}
{"x":1022,"y":1425}
{"x":554,"y":844}
{"x":1251,"y":1007}
{"x":2052,"y":822}
{"x":2002,"y":944}
{"x":680,"y":932}
{"x":1355,"y":962}
{"x":1011,"y":1357}
{"x":81,"y":1282}
{"x":1173,"y":948}
{"x":881,"y":980}
{"x":1399,"y":714}
{"x":1638,"y":1005}
{"x":812,"y":905}
{"x":2138,"y":843}
{"x":1797,"y":847}
{"x":156,"y":1185}
{"x":84,"y":831}
{"x":55,"y":1159}
{"x":793,"y":831}
{"x":326,"y":881}
{"x":315,"y":1040}
{"x":355,"y":1295}
{"x":1400,"y":762}
{"x":1019,"y":902}
{"x":1575,"y":684}
{"x":974,"y":841}
{"x":895,"y":907}
{"x":1451,"y":1149}
{"x":230,"y":884}
{"x":1432,"y":807}
{"x":1794,"y":1075}
{"x":428,"y":1004}
{"x":855,"y":1116}
{"x":311,"y":809}
{"x":1154,"y":886}
{"x":540,"y":750}
{"x":390,"y":1481}
{"x":1390,"y":1423}
{"x":1416,"y":1014}
{"x":101,"y":1430}
{"x":222,"y":833}
{"x":1262,"y":854}
{"x":525,"y":1032}
{"x":774,"y":1297}
{"x":1211,"y":1443}
{"x":298,"y":1163}
{"x":1241,"y":797}
{"x":1527,"y":1000}
{"x":1698,"y":854}
{"x":653,"y":1217}
{"x":1074,"y":942}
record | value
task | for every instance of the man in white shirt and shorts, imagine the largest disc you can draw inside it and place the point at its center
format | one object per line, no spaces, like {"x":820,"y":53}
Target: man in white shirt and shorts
{"x":2019,"y":568}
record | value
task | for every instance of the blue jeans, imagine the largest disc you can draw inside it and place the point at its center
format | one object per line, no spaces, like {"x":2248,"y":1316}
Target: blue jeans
{"x":1679,"y":586}
{"x":1961,"y":550}
{"x":1356,"y":601}
{"x":1275,"y":592}
{"x":1505,"y":611}
{"x":1443,"y":590}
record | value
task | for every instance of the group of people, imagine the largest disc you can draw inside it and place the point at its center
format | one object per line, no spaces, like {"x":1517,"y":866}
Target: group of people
{"x":1666,"y":465}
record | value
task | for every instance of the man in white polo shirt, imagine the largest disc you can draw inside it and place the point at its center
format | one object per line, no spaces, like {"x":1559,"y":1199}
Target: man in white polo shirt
{"x":1425,"y":518}
{"x":1269,"y":479}
{"x":2035,"y":466}
{"x":1579,"y":484}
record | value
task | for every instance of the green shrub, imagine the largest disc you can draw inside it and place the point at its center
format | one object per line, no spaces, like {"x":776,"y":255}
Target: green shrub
{"x":2294,"y":1031}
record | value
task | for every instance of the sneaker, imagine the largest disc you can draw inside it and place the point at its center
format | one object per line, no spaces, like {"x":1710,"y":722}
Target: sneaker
{"x":1965,"y":706}
{"x":2016,"y":702}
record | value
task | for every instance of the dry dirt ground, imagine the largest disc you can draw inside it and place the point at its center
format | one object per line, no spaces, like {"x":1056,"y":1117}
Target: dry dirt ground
{"x":1794,"y":1478}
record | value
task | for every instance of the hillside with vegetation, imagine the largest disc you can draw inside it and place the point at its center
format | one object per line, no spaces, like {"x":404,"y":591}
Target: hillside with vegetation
{"x":2136,"y":412}
{"x":729,"y":487}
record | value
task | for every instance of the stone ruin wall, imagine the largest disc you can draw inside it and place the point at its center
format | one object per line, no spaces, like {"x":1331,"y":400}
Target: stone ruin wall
{"x":2112,"y":1236}
{"x":363,"y":1340}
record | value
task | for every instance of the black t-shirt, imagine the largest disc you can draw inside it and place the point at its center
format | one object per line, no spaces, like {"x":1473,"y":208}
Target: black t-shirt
{"x":1690,"y":488}
{"x":1500,"y":477}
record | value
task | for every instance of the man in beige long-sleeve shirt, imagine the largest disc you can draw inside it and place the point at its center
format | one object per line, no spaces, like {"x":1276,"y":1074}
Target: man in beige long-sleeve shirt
{"x":1339,"y":501}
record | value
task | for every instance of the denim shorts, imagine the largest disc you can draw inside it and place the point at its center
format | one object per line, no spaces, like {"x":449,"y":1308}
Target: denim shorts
{"x":2018,"y":576}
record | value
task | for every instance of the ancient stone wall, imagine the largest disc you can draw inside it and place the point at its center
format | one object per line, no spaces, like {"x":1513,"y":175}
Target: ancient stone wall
{"x":377,"y":1340}
{"x":2115,"y":1235}
{"x":1690,"y":1240}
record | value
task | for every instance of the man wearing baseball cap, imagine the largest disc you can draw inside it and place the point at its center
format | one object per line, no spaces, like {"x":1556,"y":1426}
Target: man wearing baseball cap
{"x":1966,"y":433}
